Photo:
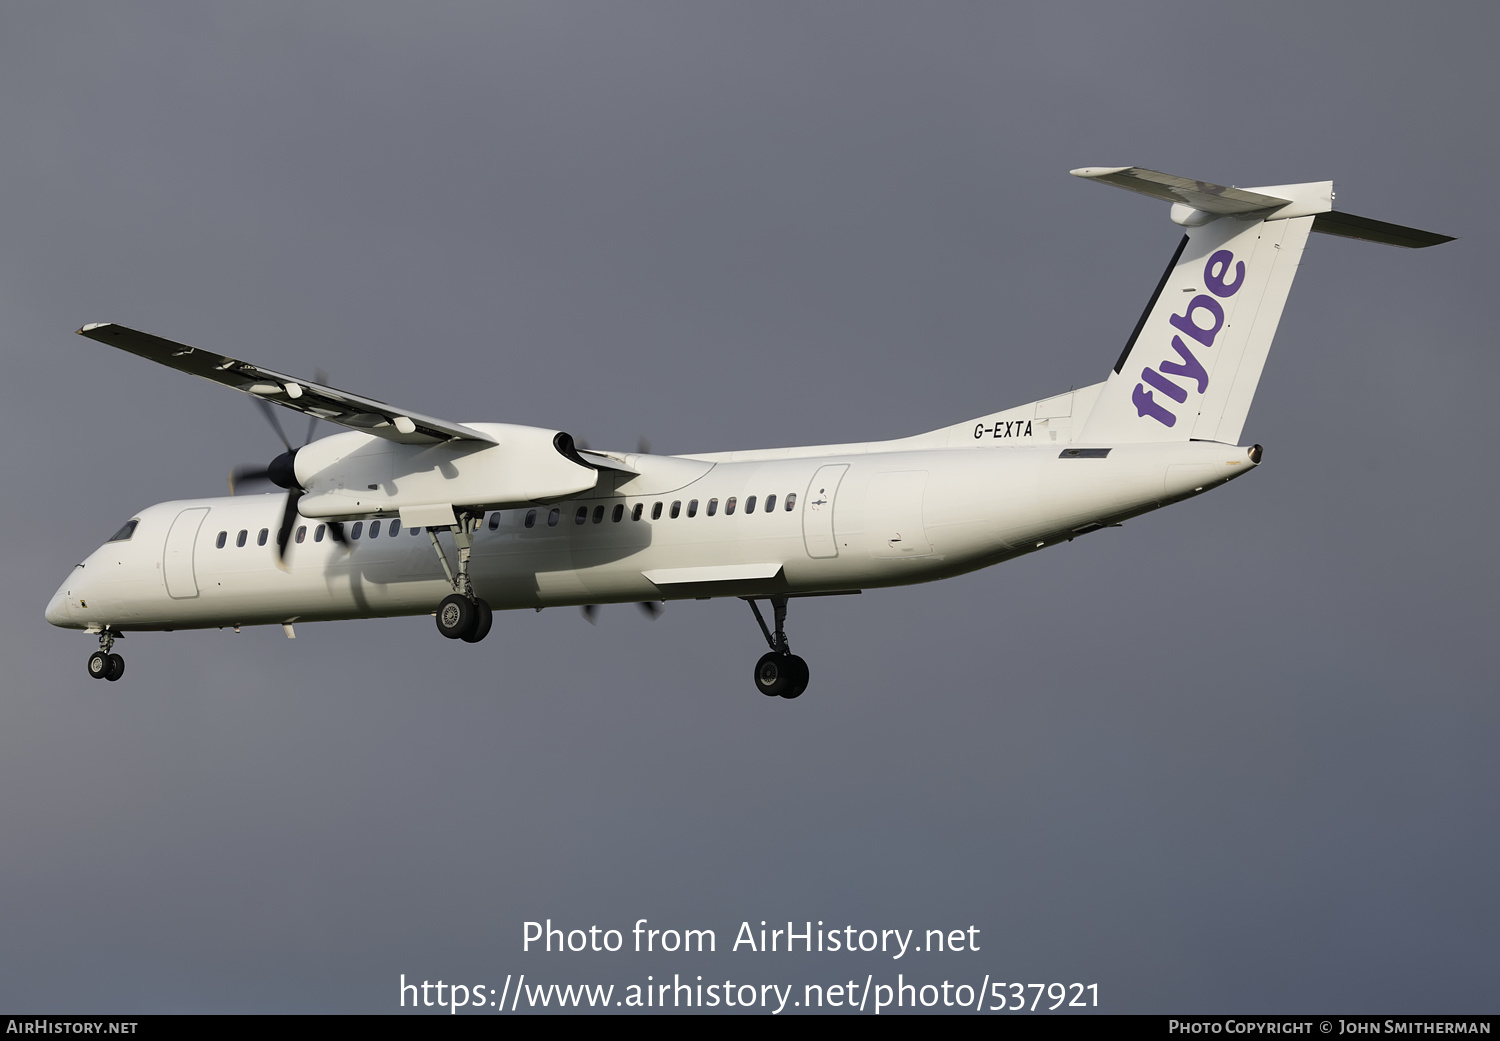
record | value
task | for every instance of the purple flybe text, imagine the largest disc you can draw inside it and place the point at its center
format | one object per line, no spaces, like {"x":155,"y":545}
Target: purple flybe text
{"x":1196,"y":327}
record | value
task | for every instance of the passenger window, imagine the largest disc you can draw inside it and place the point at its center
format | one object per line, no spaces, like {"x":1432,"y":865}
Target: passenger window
{"x":750,"y":504}
{"x":582,"y":515}
{"x":552,"y":516}
{"x":531,"y":518}
{"x":635,"y":514}
{"x":123,"y":535}
{"x":355,"y":531}
{"x":692,"y":507}
{"x":598,"y":513}
{"x":318,"y":533}
{"x":713,"y":507}
{"x":374,"y":529}
{"x":791,"y":500}
{"x":676,"y":508}
{"x":656,"y":512}
{"x":417,"y":530}
{"x":395,"y":525}
{"x":301,"y":533}
{"x":617,"y":513}
{"x":494,"y":521}
{"x":240,"y":538}
{"x":729,"y":505}
{"x":770,"y":503}
{"x":260,"y":540}
{"x":223,"y":538}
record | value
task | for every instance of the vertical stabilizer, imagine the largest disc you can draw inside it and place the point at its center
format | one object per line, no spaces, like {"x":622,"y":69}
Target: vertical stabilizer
{"x":1190,"y":370}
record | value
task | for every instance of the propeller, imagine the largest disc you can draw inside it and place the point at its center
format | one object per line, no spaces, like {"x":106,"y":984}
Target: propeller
{"x":283,"y":474}
{"x":651,"y":608}
{"x":270,"y":414}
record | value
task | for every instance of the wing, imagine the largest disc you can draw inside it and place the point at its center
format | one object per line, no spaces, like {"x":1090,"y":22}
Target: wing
{"x":336,"y":406}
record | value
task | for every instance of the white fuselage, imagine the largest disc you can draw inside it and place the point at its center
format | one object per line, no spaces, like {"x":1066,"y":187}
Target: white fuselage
{"x":861,"y":516}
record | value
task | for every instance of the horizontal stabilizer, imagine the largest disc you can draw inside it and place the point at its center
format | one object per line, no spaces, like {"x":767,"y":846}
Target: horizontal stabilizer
{"x":1200,"y":195}
{"x":1197,"y":202}
{"x":1347,"y":225}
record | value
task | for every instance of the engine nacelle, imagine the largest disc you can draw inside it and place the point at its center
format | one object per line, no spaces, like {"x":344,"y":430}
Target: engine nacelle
{"x":358,"y":475}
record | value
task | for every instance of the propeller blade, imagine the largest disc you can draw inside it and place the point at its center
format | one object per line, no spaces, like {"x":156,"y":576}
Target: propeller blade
{"x":336,"y":533}
{"x":652,"y":608}
{"x":241,"y":474}
{"x":321,"y":377}
{"x":642,"y":446}
{"x":284,"y":533}
{"x":270,"y":414}
{"x":589,"y":610}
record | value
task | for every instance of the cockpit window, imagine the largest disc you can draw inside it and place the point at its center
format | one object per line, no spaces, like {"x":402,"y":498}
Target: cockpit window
{"x":123,"y":535}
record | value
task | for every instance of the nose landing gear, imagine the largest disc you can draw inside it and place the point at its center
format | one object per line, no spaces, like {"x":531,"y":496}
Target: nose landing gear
{"x":779,"y":673}
{"x":103,"y":664}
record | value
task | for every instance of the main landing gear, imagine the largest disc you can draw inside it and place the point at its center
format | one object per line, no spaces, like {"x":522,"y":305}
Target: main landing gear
{"x":462,"y":615}
{"x":779,"y":673}
{"x":104,"y":665}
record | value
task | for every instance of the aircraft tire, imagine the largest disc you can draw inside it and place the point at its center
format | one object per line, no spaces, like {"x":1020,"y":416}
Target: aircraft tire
{"x":483,"y":619}
{"x":799,"y":677}
{"x":773,"y":674}
{"x":456,"y":616}
{"x":98,"y":665}
{"x":116,"y":668}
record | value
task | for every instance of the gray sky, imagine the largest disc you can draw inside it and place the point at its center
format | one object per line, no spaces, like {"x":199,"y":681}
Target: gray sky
{"x":1236,"y":756}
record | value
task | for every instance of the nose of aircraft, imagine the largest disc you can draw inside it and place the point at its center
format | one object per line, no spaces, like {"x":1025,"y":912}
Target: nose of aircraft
{"x":57,"y":607}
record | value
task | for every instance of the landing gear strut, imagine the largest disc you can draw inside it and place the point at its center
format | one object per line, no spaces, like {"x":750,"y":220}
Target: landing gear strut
{"x":104,"y":665}
{"x":779,"y":673}
{"x":461,"y":615}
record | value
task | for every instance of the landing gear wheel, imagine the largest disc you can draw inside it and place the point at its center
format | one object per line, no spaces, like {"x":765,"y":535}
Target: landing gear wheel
{"x":483,"y":619}
{"x":774,"y":674}
{"x":799,"y":676}
{"x":116,"y":667}
{"x":99,"y":666}
{"x":456,"y":616}
{"x":779,"y":674}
